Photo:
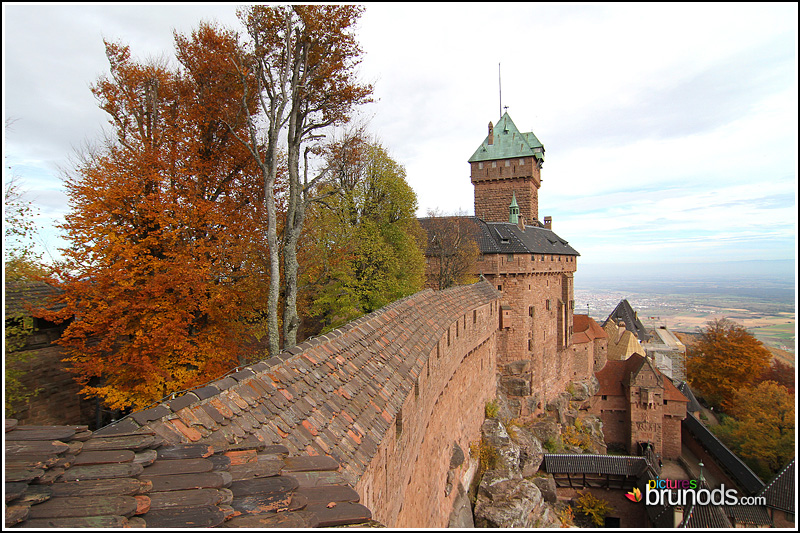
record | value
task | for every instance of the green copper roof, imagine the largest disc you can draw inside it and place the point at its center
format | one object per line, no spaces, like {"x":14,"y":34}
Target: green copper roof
{"x":508,"y":142}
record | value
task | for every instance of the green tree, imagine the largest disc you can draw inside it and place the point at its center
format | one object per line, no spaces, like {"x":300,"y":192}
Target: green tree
{"x":364,"y":236}
{"x":761,"y":428}
{"x":725,"y":359}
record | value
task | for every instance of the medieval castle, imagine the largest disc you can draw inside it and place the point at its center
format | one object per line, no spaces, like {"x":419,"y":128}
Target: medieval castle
{"x":374,"y":420}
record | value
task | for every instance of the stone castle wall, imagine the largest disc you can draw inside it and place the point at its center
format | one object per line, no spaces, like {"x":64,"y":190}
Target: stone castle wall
{"x":407,"y":484}
{"x":534,"y":353}
{"x":495,"y":181}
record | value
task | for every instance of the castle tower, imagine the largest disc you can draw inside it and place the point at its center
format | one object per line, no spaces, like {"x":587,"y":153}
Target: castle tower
{"x":507,"y":165}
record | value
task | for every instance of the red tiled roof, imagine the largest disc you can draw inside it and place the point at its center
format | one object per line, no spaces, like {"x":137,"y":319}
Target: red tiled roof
{"x":586,"y":329}
{"x":290,"y":434}
{"x":614,"y":373}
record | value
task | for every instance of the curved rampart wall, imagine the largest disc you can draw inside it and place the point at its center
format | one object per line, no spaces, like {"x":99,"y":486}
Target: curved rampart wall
{"x":386,"y":396}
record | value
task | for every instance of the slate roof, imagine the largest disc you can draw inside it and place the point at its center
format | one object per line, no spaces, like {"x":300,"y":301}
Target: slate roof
{"x":625,"y":313}
{"x":505,"y":237}
{"x":558,"y":463}
{"x":586,"y":329}
{"x":508,"y":142}
{"x":705,"y":516}
{"x":305,"y":424}
{"x":748,"y":480}
{"x":693,"y":406}
{"x":780,"y":491}
{"x":748,"y":515}
{"x":67,"y":476}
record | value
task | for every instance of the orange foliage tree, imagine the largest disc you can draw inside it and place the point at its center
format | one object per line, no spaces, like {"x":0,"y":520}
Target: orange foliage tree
{"x":762,"y":429}
{"x":726,"y":359}
{"x":163,"y":276}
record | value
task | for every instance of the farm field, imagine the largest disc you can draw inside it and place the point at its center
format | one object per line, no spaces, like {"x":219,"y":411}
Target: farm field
{"x":768,"y":312}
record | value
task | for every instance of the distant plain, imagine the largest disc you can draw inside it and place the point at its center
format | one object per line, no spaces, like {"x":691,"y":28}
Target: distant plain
{"x":685,"y":301}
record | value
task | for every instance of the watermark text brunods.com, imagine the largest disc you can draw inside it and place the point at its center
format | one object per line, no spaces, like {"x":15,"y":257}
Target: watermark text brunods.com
{"x":690,"y":492}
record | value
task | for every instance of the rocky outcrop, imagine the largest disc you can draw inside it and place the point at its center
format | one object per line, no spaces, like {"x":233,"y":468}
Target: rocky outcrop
{"x":505,"y":498}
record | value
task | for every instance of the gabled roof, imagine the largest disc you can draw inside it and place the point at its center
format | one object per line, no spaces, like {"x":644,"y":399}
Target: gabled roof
{"x":586,"y":329}
{"x":616,"y":373}
{"x":508,"y":142}
{"x":625,"y":313}
{"x":780,"y":492}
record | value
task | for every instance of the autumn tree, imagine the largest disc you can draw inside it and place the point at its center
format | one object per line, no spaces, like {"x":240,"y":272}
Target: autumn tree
{"x":163,"y":272}
{"x":304,"y":58}
{"x":363,"y":235}
{"x":761,"y":428}
{"x":725,"y":359}
{"x":452,"y":249}
{"x":781,"y":373}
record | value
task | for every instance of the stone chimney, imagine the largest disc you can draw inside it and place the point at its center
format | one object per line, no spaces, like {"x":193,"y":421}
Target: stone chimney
{"x":548,"y":222}
{"x":490,"y":141}
{"x":521,"y":222}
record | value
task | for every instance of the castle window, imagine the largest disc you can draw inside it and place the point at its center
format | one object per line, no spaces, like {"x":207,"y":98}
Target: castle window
{"x":474,"y":316}
{"x":522,"y":161}
{"x":480,"y":165}
{"x":542,"y":258}
{"x":499,"y":287}
{"x":547,"y":304}
{"x":416,"y":390}
{"x":533,"y":257}
{"x":530,"y":345}
{"x":510,"y":257}
{"x":494,"y":164}
{"x":572,"y":304}
{"x":604,"y":397}
{"x":508,"y":163}
{"x":530,"y":311}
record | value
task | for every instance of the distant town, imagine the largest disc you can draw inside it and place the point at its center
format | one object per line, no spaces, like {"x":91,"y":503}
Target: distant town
{"x":767,"y":310}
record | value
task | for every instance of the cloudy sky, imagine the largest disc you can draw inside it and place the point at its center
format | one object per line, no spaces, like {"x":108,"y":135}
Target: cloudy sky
{"x":670,"y":130}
